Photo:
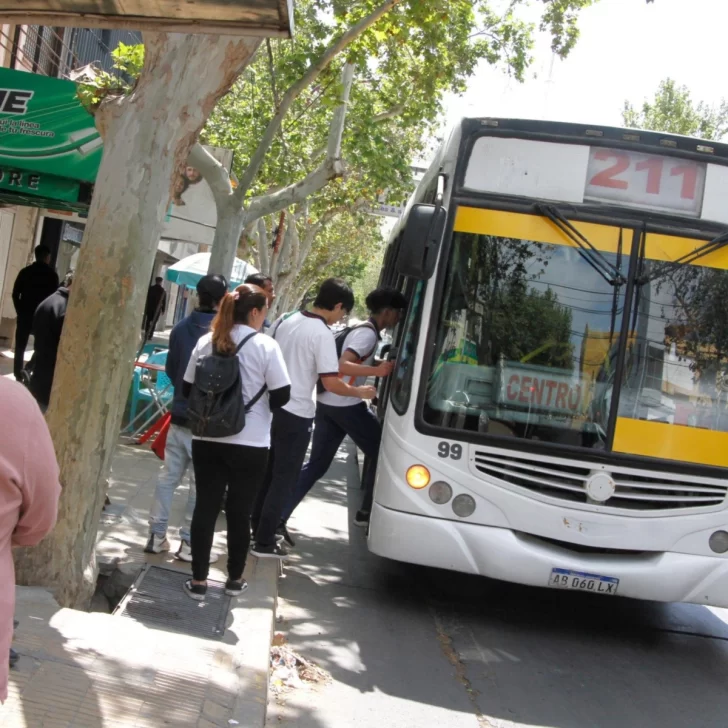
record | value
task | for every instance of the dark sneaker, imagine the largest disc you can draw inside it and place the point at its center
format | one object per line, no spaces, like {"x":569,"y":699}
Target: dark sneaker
{"x":14,"y":657}
{"x":282,"y":531}
{"x":361,"y":519}
{"x":269,"y":552}
{"x":195,"y":591}
{"x":235,"y":587}
{"x":157,"y":544}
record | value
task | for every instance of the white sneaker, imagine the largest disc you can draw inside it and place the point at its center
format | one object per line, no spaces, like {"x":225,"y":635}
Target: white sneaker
{"x":157,"y":544}
{"x":184,"y":553}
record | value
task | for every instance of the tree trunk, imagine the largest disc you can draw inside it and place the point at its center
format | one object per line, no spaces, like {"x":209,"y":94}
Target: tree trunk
{"x":147,"y":135}
{"x":230,"y":223}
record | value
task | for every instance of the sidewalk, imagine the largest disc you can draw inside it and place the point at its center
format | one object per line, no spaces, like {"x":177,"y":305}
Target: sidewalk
{"x":96,"y":670}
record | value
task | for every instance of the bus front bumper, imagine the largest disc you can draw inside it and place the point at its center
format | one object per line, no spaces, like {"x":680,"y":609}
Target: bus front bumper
{"x":500,"y":553}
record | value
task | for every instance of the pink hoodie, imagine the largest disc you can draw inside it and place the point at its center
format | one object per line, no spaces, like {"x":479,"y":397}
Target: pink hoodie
{"x":29,"y":492}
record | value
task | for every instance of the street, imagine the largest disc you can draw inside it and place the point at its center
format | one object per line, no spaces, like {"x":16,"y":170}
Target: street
{"x":408,"y":646}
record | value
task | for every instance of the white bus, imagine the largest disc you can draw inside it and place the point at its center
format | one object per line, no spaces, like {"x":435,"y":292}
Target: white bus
{"x":558,"y":414}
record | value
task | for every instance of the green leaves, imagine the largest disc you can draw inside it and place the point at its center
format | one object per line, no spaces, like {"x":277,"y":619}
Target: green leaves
{"x":98,"y":85}
{"x":673,"y":110}
{"x":129,"y":59}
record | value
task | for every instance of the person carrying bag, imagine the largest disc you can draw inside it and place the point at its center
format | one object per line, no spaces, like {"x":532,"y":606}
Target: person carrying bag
{"x":234,"y":378}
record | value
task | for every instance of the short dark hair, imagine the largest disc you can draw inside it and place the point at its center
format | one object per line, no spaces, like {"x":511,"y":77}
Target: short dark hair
{"x":210,"y":290}
{"x":258,"y":279}
{"x":333,"y":291}
{"x":42,"y":251}
{"x":158,"y":279}
{"x":381,"y":298}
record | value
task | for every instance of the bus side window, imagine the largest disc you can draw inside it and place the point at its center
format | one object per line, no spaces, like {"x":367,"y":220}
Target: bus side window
{"x":401,"y":379}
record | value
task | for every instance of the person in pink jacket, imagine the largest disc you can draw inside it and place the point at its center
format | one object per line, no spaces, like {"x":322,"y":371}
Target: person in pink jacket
{"x":29,"y":492}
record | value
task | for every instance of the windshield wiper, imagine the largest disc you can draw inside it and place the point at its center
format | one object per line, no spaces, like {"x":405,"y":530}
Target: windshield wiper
{"x":711,"y":246}
{"x":592,"y":255}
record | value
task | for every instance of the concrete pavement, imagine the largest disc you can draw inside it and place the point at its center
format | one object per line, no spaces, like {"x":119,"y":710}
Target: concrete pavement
{"x":95,"y":670}
{"x":409,"y":647}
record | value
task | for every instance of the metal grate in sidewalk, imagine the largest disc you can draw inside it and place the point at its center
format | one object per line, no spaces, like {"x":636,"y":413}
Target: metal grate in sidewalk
{"x":156,"y":599}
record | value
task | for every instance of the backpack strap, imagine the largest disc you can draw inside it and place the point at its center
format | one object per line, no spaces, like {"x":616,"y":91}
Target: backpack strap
{"x":245,"y":341}
{"x":265,"y":386}
{"x":250,"y":404}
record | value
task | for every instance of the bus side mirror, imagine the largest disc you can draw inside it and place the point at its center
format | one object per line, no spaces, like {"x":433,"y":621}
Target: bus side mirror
{"x":421,"y":241}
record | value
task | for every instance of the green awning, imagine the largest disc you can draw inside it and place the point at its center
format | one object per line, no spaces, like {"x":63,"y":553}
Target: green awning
{"x":50,"y":149}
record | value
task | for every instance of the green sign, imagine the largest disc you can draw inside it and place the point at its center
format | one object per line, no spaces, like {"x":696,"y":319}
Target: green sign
{"x":39,"y":185}
{"x":44,"y":129}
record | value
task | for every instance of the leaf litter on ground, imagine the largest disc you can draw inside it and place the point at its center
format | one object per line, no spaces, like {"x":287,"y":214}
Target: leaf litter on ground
{"x":290,"y":671}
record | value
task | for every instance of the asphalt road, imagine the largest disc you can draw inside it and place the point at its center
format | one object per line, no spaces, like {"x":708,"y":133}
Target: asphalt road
{"x":411,"y":647}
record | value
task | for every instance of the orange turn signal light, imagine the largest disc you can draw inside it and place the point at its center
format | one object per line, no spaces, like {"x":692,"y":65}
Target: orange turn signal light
{"x":418,"y":477}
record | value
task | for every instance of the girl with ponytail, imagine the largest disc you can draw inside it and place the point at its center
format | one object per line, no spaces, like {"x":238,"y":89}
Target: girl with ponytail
{"x":236,"y":463}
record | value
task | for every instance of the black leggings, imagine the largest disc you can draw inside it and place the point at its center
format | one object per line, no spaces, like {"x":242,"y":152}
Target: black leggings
{"x":241,"y":470}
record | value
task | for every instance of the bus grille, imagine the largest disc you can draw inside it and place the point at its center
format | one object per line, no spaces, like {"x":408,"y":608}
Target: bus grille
{"x":635,"y":490}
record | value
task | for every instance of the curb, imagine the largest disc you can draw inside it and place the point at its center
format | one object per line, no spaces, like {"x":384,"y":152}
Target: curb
{"x":251,"y":631}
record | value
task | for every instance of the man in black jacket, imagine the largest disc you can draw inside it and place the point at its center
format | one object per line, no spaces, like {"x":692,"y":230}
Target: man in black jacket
{"x":47,"y":328}
{"x":32,"y":286}
{"x":155,"y":306}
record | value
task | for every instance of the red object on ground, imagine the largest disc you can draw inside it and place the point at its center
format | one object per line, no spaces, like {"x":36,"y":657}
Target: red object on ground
{"x":155,"y":428}
{"x":160,"y":441}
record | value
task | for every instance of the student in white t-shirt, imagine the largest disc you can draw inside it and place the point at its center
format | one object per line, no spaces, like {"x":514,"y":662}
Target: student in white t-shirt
{"x":309,"y":351}
{"x":236,"y":462}
{"x":338,"y":416}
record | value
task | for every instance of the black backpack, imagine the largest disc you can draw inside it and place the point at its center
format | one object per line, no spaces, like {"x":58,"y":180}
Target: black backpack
{"x":215,"y":406}
{"x":339,"y":339}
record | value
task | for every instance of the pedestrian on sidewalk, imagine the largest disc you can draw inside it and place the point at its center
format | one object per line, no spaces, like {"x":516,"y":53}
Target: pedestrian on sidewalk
{"x":266,"y":283}
{"x":29,"y":492}
{"x":178,"y":448}
{"x":236,"y":462}
{"x":47,"y":328}
{"x":32,"y":286}
{"x":338,"y":416}
{"x":309,"y":351}
{"x":155,"y":306}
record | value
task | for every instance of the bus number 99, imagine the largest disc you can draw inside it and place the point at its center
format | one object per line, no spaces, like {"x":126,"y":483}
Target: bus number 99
{"x":446,"y":450}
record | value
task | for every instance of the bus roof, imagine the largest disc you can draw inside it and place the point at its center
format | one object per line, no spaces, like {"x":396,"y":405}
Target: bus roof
{"x":704,"y":149}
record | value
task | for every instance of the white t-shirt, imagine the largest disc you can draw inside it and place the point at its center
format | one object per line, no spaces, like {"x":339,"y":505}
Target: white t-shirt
{"x":309,"y":351}
{"x":261,"y":362}
{"x":363,"y":341}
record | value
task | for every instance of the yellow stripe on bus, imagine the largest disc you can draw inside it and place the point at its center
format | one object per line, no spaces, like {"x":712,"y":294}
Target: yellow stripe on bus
{"x":603,"y":237}
{"x":671,"y":442}
{"x":672,"y":247}
{"x":538,"y":229}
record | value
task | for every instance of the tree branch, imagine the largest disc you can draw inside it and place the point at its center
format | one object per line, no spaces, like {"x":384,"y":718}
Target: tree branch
{"x":331,"y":168}
{"x":386,"y":115}
{"x":216,"y":176}
{"x":297,"y":88}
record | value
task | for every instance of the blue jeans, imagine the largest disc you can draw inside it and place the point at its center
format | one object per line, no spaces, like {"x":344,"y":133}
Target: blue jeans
{"x":177,"y":459}
{"x":331,"y":426}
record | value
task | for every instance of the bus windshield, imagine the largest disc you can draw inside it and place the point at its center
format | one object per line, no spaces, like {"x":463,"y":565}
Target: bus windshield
{"x":528,"y":335}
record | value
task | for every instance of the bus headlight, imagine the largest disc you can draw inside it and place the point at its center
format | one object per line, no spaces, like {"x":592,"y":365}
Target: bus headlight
{"x":418,"y":477}
{"x":463,"y":506}
{"x":718,"y":542}
{"x":440,"y":493}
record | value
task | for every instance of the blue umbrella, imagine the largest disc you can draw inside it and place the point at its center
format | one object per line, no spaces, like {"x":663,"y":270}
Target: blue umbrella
{"x":189,"y":270}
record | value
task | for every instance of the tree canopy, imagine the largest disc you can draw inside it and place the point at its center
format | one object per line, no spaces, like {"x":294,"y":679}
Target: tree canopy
{"x":673,"y":110}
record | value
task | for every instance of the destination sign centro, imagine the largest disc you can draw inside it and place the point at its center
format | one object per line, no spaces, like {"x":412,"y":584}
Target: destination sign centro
{"x":541,"y":389}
